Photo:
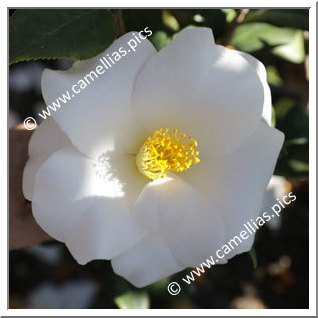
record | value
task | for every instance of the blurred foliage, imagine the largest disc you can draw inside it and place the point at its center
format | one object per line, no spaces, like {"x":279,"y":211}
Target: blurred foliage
{"x":294,"y":18}
{"x":230,"y":14}
{"x":284,"y":42}
{"x":277,"y":37}
{"x":133,"y":300}
{"x":253,"y":256}
{"x":138,"y":19}
{"x":273,"y":76}
{"x":292,"y":119}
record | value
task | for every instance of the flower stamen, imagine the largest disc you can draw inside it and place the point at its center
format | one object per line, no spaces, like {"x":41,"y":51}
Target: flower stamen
{"x":166,"y":150}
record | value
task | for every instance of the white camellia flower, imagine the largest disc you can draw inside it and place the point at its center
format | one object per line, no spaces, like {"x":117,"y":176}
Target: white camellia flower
{"x":157,"y":163}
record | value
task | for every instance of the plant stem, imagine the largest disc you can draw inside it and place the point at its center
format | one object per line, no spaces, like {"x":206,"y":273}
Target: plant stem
{"x":240,"y":16}
{"x":120,"y":22}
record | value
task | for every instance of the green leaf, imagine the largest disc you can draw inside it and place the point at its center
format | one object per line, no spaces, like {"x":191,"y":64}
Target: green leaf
{"x":251,"y":37}
{"x":253,"y":256}
{"x":160,"y":39}
{"x":230,"y":14}
{"x":133,"y":300}
{"x":292,"y":18}
{"x":60,"y":33}
{"x":286,"y":43}
{"x":299,"y":166}
{"x":273,"y":76}
{"x":170,"y":21}
{"x":294,"y":51}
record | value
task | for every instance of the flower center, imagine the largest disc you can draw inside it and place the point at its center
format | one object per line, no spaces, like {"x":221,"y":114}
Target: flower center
{"x":166,"y":150}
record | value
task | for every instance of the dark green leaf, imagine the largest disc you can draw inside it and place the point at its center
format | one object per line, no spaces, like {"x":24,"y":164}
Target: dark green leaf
{"x":60,"y":33}
{"x":138,"y":19}
{"x":292,"y":18}
{"x":295,"y":123}
{"x":216,"y":20}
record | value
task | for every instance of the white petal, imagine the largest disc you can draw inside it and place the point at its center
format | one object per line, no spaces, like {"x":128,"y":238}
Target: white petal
{"x":236,"y":184}
{"x":68,"y":185}
{"x":104,"y":231}
{"x":174,"y":209}
{"x":208,"y":91}
{"x":199,"y":237}
{"x":261,"y":71}
{"x":47,"y":139}
{"x":164,"y":204}
{"x":147,"y":262}
{"x":99,"y":117}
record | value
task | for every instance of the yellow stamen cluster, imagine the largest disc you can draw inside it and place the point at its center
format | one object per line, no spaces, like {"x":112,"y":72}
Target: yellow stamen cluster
{"x":166,"y":150}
